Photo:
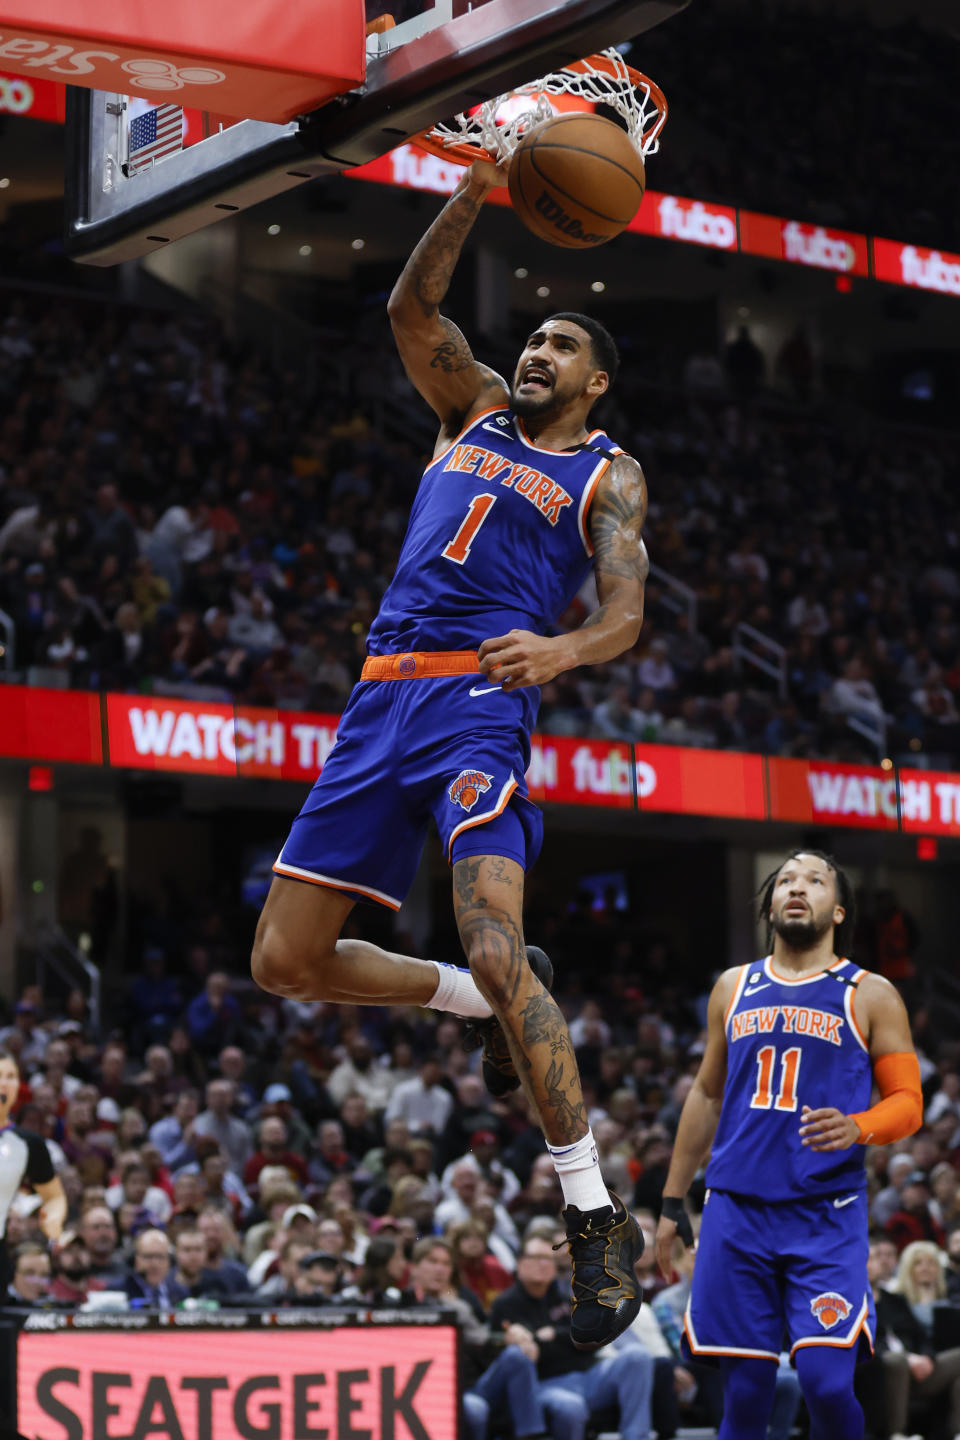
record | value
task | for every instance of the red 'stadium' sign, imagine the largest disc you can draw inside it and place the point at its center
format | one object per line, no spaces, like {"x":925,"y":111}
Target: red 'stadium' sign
{"x":387,"y":1383}
{"x":263,"y":60}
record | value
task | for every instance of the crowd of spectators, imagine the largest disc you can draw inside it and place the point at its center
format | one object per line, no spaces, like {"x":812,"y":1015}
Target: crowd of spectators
{"x":177,"y":515}
{"x":845,"y":104}
{"x":222,"y":1148}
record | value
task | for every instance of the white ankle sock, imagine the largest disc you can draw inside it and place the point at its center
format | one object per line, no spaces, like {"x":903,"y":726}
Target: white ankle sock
{"x":579,"y":1172}
{"x":457,"y":991}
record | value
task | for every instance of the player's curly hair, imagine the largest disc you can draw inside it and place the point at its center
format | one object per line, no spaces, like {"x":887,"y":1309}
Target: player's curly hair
{"x":843,"y":933}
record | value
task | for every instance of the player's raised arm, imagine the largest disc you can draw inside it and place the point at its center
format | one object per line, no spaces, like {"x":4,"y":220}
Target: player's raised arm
{"x":435,"y":354}
{"x":620,"y":566}
{"x":698,"y":1124}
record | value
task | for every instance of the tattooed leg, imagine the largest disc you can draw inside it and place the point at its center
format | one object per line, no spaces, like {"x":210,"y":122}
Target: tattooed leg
{"x":488,"y":901}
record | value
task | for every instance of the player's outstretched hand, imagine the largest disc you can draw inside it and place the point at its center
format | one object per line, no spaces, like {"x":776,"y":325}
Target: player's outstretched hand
{"x":520,"y":658}
{"x":489,"y":173}
{"x":828,"y":1129}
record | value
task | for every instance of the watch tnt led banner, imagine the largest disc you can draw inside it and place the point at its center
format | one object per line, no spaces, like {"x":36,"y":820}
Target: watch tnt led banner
{"x":384,"y":1383}
{"x":209,"y":739}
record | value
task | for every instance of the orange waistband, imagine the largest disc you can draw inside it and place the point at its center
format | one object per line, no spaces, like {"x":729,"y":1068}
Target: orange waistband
{"x":416,"y":664}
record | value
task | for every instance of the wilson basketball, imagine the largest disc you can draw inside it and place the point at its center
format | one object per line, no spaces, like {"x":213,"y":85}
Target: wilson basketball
{"x":576,"y":180}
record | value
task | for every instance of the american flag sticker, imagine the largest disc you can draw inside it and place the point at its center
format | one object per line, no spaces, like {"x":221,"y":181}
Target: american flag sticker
{"x":155,"y":134}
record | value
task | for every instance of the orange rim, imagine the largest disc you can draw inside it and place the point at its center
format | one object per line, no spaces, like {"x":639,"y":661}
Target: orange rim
{"x":465,"y":152}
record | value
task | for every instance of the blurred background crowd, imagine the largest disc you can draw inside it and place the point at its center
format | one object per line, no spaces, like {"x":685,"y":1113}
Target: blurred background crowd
{"x":178,"y":515}
{"x":220,"y":1147}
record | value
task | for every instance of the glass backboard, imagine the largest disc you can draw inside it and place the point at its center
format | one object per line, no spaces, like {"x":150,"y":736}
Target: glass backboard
{"x":124,"y":200}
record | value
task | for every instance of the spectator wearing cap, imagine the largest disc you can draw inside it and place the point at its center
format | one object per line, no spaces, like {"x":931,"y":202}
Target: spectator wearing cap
{"x":423,"y":1102}
{"x":173,"y":1135}
{"x":274,"y":1150}
{"x":321,"y":1276}
{"x":278,"y":1100}
{"x":468,"y":1187}
{"x":358,"y":1074}
{"x":484,"y":1152}
{"x":915,"y":1220}
{"x":229,"y":1131}
{"x":73,"y":1279}
{"x":220,"y":1240}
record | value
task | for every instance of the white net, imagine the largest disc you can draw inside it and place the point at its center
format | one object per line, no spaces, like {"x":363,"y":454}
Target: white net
{"x":498,"y":125}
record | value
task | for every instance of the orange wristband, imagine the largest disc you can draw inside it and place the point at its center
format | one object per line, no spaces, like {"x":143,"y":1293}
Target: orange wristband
{"x":900,"y":1112}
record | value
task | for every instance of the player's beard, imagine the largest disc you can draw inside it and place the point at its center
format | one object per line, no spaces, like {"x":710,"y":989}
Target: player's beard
{"x":801,"y":934}
{"x":543,"y":402}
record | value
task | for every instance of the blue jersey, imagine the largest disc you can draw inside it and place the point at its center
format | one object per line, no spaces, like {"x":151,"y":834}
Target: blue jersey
{"x":497,"y":539}
{"x":790,"y":1043}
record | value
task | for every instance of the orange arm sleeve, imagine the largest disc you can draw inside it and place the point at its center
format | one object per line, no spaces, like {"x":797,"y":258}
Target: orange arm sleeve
{"x":900,"y":1112}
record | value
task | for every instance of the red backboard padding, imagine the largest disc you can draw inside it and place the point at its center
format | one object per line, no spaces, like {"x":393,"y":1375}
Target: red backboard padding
{"x":260,"y":60}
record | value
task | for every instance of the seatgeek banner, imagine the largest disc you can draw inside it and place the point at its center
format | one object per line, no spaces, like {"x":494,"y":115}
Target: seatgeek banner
{"x":355,"y":1383}
{"x":190,"y":737}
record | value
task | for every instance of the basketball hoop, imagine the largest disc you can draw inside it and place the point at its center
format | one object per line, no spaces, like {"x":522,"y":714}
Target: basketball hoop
{"x":493,"y":133}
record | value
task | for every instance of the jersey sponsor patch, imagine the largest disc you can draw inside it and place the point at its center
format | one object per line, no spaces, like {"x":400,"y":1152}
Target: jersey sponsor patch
{"x":469,"y":785}
{"x":830,"y":1308}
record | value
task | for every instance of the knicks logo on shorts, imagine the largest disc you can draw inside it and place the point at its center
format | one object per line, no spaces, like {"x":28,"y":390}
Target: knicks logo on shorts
{"x":830,"y":1309}
{"x":468,"y":787}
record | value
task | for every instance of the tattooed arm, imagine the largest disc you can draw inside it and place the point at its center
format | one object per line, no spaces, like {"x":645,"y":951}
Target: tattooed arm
{"x":620,"y":566}
{"x":435,"y":355}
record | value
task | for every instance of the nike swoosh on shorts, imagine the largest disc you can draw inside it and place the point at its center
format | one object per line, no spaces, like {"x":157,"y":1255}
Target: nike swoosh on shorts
{"x":839,"y":1204}
{"x":485,"y":690}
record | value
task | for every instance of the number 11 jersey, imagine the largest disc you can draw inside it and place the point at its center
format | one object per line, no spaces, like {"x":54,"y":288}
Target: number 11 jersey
{"x":790,"y":1043}
{"x":498,"y":539}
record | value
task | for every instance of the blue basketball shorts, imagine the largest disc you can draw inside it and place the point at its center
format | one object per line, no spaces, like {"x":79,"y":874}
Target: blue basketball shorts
{"x":774,"y":1276}
{"x":453,"y":749}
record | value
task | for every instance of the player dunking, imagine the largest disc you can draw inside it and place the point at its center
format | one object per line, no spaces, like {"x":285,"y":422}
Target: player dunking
{"x":783,"y":1093}
{"x":520,"y":496}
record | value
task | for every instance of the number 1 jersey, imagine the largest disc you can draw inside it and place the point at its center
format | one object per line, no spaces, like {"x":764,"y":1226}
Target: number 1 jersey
{"x":790,"y":1043}
{"x":497,"y":539}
